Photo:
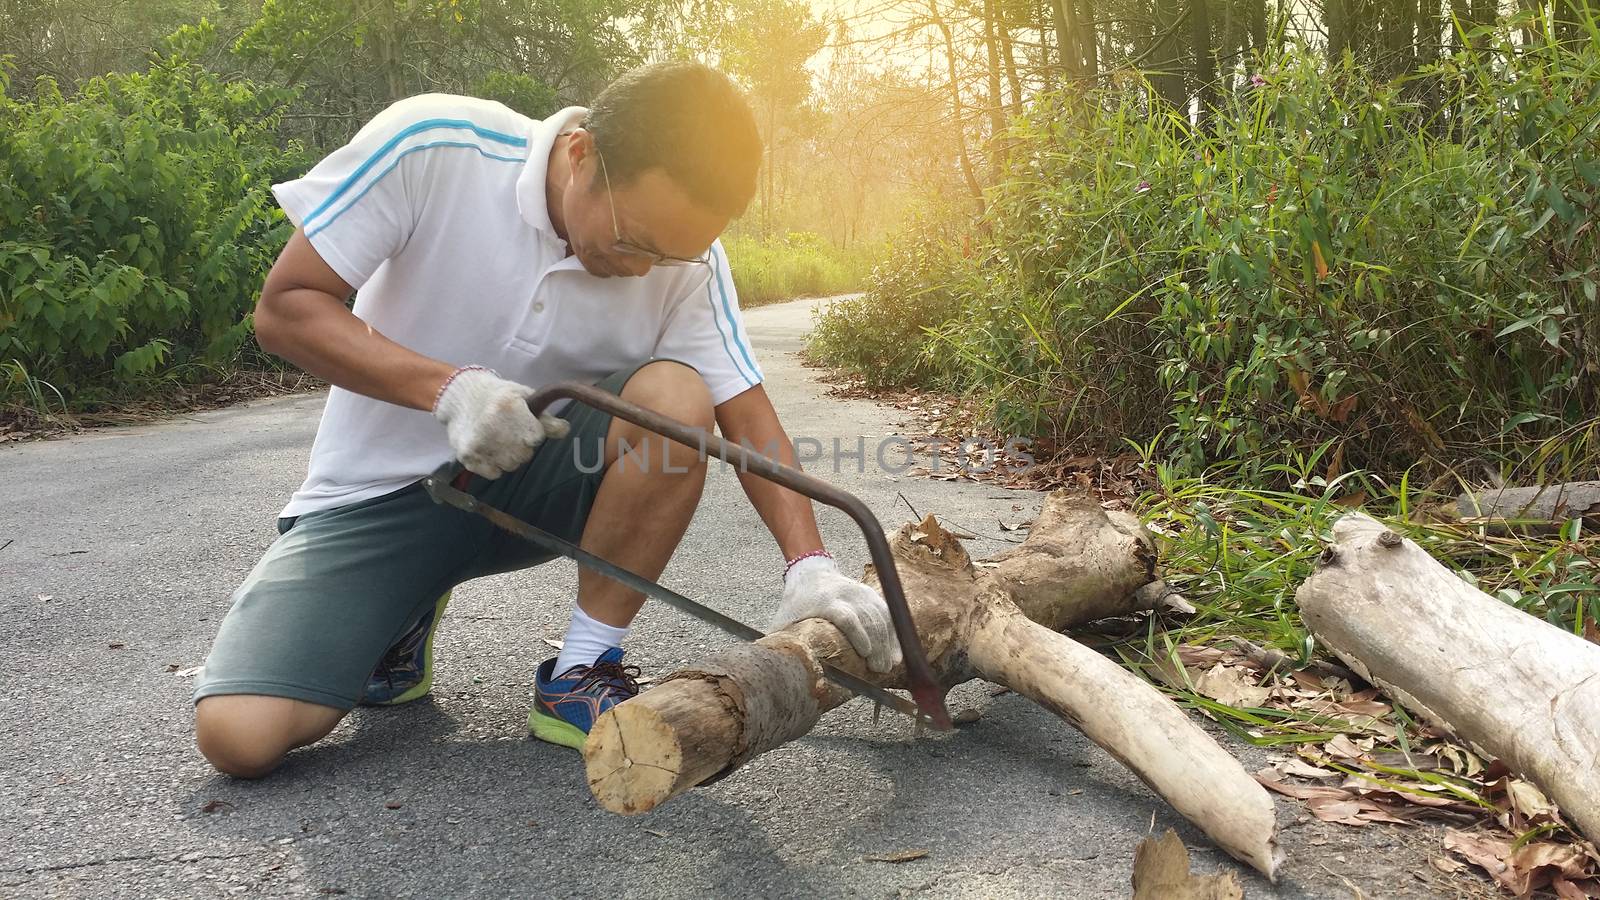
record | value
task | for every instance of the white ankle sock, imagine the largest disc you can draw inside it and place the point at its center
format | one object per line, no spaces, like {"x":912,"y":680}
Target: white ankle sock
{"x":586,"y":640}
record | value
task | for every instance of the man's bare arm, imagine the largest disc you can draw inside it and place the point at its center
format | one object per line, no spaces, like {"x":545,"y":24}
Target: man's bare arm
{"x":813,"y":587}
{"x":302,"y":317}
{"x":749,"y":417}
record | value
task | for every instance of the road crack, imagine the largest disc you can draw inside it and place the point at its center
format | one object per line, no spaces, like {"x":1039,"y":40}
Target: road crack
{"x":140,"y":857}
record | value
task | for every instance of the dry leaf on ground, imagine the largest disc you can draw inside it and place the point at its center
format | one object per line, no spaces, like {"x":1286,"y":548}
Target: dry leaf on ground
{"x":899,"y":857}
{"x":1269,"y":779}
{"x":1161,"y":872}
{"x":1524,"y":869}
{"x":1429,"y":774}
{"x":1530,"y":804}
{"x":1302,"y":769}
{"x":1226,"y":684}
{"x":1342,"y":747}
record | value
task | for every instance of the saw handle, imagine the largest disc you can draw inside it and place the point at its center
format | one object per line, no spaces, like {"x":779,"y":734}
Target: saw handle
{"x":924,"y":687}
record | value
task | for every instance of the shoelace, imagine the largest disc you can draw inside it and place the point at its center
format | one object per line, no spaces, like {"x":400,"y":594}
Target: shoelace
{"x":613,"y":675}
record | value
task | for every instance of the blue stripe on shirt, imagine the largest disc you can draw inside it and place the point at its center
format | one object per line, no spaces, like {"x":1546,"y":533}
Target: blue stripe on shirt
{"x":403,"y":154}
{"x":393,"y":142}
{"x":727,"y":307}
{"x":716,"y":319}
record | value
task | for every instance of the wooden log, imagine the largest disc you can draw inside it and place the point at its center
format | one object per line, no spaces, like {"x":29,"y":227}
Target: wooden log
{"x":1143,"y":729}
{"x":998,"y":616}
{"x":1538,"y":508}
{"x":1518,"y":688}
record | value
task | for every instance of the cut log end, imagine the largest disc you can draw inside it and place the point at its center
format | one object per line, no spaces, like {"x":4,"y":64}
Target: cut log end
{"x":703,"y":722}
{"x":633,"y":761}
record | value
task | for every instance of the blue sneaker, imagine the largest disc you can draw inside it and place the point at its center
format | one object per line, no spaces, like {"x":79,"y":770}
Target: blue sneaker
{"x":406,"y":671}
{"x":566,"y":707}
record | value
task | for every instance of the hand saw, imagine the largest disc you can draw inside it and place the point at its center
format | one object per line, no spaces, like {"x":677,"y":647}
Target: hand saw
{"x":443,"y":486}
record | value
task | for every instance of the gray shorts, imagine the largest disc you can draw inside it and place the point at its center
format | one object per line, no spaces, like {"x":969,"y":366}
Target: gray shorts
{"x":339,"y":586}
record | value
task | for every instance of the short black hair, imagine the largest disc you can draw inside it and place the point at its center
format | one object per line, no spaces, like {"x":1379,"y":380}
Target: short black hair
{"x":687,"y":119}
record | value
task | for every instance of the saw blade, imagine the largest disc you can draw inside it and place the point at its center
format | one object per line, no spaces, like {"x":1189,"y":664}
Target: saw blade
{"x":441,"y":490}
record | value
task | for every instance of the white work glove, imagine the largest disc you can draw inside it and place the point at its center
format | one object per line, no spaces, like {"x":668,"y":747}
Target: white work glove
{"x":487,"y":420}
{"x":814,"y":588}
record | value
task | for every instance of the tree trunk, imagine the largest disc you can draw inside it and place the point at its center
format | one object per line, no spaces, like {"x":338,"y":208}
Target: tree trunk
{"x":1008,"y":58}
{"x":1041,"y":22}
{"x":1339,"y":24}
{"x":1402,"y":43}
{"x":998,"y":618}
{"x":1520,"y":689}
{"x":1232,"y":43}
{"x":991,"y":52}
{"x":1166,"y":54}
{"x":959,"y":119}
{"x":1205,"y":60}
{"x":1428,"y":48}
{"x":1088,"y":37}
{"x":1061,"y":13}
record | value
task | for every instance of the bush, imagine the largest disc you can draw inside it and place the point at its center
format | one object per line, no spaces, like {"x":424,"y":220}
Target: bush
{"x":886,"y":342}
{"x":136,"y":226}
{"x":1406,"y":270}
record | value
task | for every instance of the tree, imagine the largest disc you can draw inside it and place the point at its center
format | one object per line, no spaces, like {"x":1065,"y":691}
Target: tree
{"x":765,"y":45}
{"x":75,"y":40}
{"x":356,"y":56}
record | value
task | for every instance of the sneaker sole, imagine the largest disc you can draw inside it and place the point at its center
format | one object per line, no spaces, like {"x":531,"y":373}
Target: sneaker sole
{"x":423,"y":687}
{"x":552,"y":730}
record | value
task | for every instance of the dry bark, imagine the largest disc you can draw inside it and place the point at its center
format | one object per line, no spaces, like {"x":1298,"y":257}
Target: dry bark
{"x":998,"y":618}
{"x":1518,"y":688}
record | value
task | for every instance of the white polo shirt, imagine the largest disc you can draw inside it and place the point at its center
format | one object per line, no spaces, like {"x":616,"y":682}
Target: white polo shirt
{"x":435,"y":212}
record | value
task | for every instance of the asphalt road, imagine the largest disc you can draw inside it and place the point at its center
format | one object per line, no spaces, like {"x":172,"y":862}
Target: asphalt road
{"x":124,"y":546}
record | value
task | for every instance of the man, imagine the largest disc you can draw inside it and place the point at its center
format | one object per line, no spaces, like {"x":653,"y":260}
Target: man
{"x":494,"y":254}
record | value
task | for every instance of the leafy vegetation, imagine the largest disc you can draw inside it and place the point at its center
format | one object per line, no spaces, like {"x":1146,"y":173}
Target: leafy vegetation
{"x":1332,"y":261}
{"x":885,"y":340}
{"x":139,"y":143}
{"x":1238,"y":553}
{"x":135,"y":227}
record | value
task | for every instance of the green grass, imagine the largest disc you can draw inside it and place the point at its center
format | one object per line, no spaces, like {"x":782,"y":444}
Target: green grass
{"x":24,"y":391}
{"x":797,"y":265}
{"x":1238,"y":553}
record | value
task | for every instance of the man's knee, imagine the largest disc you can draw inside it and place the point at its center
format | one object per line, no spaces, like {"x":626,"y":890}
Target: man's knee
{"x":247,"y":735}
{"x":673,"y":389}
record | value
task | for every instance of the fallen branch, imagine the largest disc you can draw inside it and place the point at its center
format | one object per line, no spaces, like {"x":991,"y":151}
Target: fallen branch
{"x":1539,"y":508}
{"x":1520,"y":689}
{"x":997,"y":618}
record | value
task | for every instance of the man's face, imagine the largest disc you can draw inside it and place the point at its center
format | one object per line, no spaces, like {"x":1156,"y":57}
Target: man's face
{"x":652,"y":212}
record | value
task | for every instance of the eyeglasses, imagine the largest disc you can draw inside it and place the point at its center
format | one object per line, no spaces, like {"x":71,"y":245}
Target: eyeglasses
{"x":630,"y":249}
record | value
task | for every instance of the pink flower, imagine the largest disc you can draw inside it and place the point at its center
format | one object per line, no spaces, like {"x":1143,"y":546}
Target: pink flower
{"x":1257,"y":81}
{"x":1143,"y":186}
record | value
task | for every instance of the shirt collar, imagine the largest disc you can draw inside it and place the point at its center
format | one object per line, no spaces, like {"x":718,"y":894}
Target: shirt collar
{"x":531,"y":183}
